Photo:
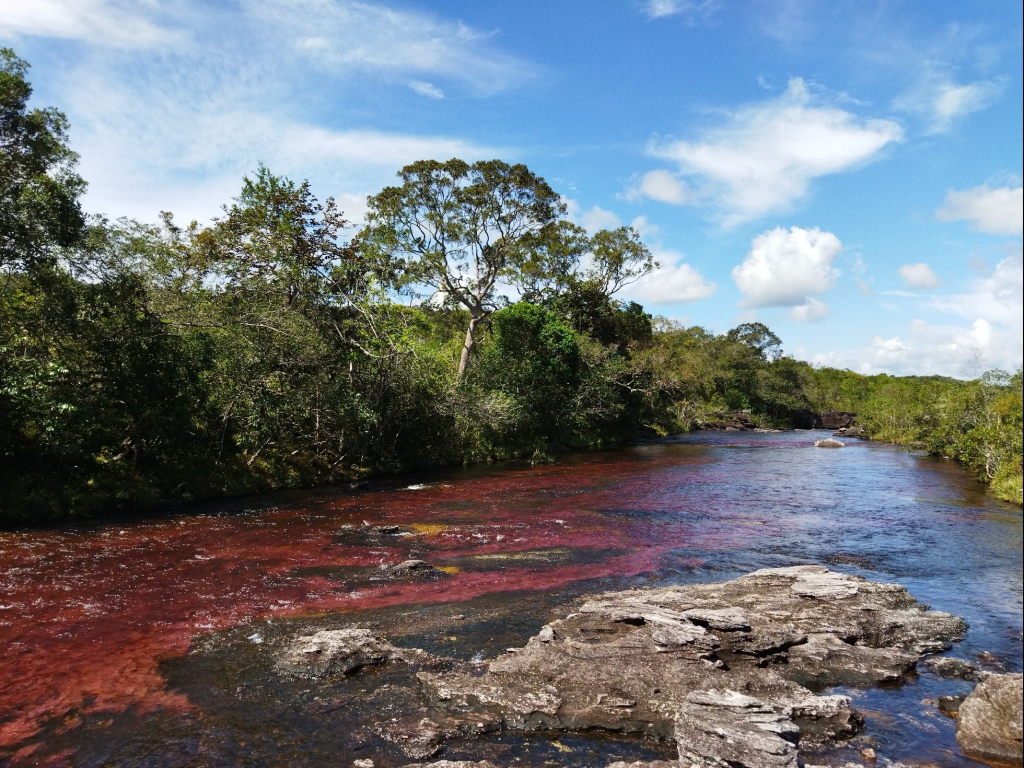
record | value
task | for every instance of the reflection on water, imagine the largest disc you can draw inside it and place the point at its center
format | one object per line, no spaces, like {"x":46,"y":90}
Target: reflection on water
{"x":150,"y":642}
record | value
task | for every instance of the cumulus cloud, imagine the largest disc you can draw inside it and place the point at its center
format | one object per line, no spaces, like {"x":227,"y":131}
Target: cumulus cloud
{"x":592,"y":219}
{"x":674,"y":282}
{"x":919,"y":275}
{"x":785,"y":268}
{"x":985,"y":331}
{"x":810,"y":311}
{"x":766,"y":156}
{"x":659,"y":185}
{"x":995,"y":211}
{"x":116,"y":24}
{"x":998,"y":298}
{"x":934,"y":348}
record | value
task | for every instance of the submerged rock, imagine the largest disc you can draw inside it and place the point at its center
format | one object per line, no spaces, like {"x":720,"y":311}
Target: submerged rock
{"x":989,"y":725}
{"x":417,"y":568}
{"x":945,"y":666}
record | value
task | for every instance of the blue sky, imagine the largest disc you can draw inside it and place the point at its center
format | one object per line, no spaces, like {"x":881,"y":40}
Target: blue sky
{"x":847,"y":172}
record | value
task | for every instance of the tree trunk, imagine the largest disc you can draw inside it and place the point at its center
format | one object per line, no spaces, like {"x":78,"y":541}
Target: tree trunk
{"x":467,"y":347}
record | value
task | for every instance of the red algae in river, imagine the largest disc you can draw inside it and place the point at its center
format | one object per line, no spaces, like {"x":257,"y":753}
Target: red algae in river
{"x":88,"y":613}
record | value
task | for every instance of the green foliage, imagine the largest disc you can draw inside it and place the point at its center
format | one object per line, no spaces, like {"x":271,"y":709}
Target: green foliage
{"x":150,"y":365}
{"x":39,"y":189}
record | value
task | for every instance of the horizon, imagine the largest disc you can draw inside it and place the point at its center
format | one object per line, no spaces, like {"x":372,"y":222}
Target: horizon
{"x":850,"y":177}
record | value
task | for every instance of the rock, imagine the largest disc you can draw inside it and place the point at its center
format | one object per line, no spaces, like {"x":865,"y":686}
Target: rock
{"x":453,"y":764}
{"x":828,"y":442}
{"x":363,"y":763}
{"x":855,"y":431}
{"x":950,"y":705}
{"x":945,"y":666}
{"x":628,"y":661}
{"x":739,"y":729}
{"x":725,"y":619}
{"x":868,"y":754}
{"x":826,"y":586}
{"x":836,"y":419}
{"x":729,"y":422}
{"x":416,"y":568}
{"x":825,"y":660}
{"x":418,"y":738}
{"x":339,"y":652}
{"x":989,"y":726}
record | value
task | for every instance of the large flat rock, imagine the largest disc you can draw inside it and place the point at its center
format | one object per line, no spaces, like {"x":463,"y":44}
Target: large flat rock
{"x":657,"y":661}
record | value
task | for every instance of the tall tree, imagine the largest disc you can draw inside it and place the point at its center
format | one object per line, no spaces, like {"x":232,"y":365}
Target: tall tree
{"x":39,"y":188}
{"x":455,"y":227}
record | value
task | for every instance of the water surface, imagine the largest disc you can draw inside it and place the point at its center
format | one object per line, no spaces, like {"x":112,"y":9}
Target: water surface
{"x":152,"y":642}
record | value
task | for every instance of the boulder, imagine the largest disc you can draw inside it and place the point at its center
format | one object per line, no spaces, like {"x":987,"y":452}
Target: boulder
{"x":989,"y":725}
{"x":828,"y":442}
{"x":836,"y":419}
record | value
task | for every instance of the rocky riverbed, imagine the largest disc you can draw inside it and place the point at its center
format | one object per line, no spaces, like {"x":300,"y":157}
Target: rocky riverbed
{"x":731,"y":672}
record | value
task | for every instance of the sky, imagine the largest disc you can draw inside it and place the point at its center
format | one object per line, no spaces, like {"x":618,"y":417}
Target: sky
{"x":848,"y":173}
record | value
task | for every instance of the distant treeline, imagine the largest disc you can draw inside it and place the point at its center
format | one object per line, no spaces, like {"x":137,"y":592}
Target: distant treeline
{"x":147,"y":365}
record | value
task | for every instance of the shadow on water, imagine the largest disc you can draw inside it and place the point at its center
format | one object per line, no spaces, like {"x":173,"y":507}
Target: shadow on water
{"x":153,"y":643}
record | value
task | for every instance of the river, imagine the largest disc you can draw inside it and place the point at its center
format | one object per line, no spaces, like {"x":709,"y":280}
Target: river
{"x":151,"y":642}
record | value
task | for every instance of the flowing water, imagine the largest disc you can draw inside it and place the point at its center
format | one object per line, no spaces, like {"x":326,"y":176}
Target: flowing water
{"x":152,"y":642}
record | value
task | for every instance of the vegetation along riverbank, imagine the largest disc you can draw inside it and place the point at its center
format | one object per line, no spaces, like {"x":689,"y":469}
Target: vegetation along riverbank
{"x":468,"y":320}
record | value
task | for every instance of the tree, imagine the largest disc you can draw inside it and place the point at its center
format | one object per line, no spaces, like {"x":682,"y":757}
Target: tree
{"x":455,"y":227}
{"x":620,"y":258}
{"x":39,"y":189}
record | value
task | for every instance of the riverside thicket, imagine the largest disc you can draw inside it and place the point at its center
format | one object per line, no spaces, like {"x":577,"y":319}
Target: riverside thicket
{"x":277,"y":347}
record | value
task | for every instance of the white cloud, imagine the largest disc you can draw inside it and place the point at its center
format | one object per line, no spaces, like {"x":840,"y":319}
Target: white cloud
{"x":594,"y":218}
{"x":142,"y":152}
{"x":942,"y":101}
{"x":644,"y":227}
{"x":659,"y":185}
{"x":429,"y":90}
{"x":810,"y":311}
{"x":115,"y":24}
{"x":934,"y":348}
{"x":784,"y":268}
{"x":341,"y":35}
{"x":674,"y":282}
{"x":995,"y":211}
{"x":993,"y":336}
{"x":919,"y":275}
{"x":175,"y":128}
{"x":657,"y":9}
{"x":998,"y":298}
{"x":766,"y":156}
